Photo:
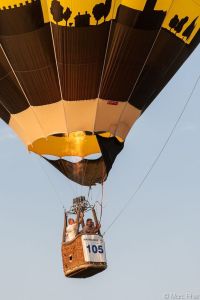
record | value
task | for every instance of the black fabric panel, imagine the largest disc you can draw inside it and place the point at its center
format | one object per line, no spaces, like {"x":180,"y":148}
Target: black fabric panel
{"x":166,"y":58}
{"x":11,"y":96}
{"x":110,"y":148}
{"x":80,"y":53}
{"x":4,"y":114}
{"x":195,"y":42}
{"x":32,"y":58}
{"x":25,"y":18}
{"x":132,"y":37}
{"x":128,"y":75}
{"x":142,"y":57}
{"x":40,"y":86}
{"x":86,"y":172}
{"x":128,"y":51}
{"x":127,"y":16}
{"x":4,"y":66}
{"x":148,"y":19}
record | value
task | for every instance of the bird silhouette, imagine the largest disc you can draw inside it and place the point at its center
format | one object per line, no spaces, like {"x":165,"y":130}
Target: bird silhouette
{"x":102,"y":10}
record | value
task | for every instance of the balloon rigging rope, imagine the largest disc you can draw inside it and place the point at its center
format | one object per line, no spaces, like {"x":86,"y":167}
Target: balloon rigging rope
{"x":23,"y":92}
{"x":102,"y":197}
{"x":84,"y":175}
{"x":70,"y":185}
{"x":101,"y":203}
{"x":156,"y":159}
{"x":58,"y":73}
{"x":58,"y":197}
{"x":142,"y":70}
{"x":106,"y":52}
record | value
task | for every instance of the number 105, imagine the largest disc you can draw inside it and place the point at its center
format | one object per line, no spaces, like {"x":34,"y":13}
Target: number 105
{"x":95,"y":249}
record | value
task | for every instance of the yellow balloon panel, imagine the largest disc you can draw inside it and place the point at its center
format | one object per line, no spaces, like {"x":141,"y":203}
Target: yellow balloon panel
{"x":187,"y":14}
{"x":88,"y":4}
{"x":90,"y":11}
{"x":75,"y":144}
{"x":84,"y":10}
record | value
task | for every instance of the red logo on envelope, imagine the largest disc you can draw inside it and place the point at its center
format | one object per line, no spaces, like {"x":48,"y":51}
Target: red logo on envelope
{"x":111,"y":102}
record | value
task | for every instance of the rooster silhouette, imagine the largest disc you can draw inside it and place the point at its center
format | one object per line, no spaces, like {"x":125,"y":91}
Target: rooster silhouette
{"x":102,"y":10}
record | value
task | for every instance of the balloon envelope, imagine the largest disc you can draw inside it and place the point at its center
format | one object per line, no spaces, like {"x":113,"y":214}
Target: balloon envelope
{"x":74,"y":71}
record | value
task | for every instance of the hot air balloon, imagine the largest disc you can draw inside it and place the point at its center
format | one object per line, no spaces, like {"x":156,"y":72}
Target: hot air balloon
{"x":76,"y":75}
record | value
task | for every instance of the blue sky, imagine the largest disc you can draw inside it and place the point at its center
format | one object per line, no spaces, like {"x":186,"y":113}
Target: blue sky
{"x":153,"y":250}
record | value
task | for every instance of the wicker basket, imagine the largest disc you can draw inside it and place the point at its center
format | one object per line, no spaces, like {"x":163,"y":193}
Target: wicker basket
{"x":74,"y":263}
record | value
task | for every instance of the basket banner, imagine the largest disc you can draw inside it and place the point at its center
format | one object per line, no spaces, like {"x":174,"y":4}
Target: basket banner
{"x":93,"y":248}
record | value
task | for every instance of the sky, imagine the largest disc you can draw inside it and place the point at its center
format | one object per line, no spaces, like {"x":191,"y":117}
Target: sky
{"x":153,"y":249}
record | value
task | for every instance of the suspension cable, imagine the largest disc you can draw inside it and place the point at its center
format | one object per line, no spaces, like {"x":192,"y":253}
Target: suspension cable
{"x":156,"y":159}
{"x":101,"y":201}
{"x":88,"y":194}
{"x":69,"y":181}
{"x":58,"y":197}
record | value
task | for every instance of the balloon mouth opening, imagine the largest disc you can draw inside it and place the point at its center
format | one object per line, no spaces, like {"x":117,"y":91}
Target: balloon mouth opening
{"x":77,"y":145}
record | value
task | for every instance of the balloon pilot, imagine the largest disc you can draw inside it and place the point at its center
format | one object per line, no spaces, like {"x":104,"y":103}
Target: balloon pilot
{"x":90,"y":228}
{"x":72,"y":227}
{"x":83,"y":247}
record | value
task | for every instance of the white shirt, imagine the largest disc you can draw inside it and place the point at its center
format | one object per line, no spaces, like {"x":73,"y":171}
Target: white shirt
{"x":71,"y":232}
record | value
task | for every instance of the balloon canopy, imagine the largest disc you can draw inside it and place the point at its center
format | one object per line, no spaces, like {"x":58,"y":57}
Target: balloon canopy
{"x":76,"y":75}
